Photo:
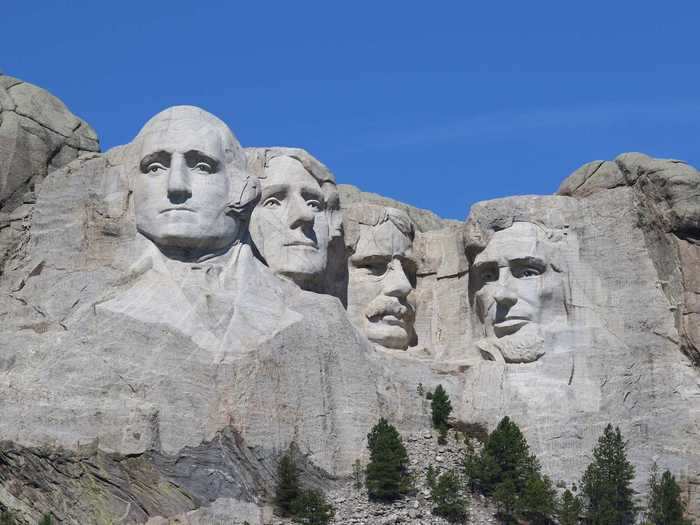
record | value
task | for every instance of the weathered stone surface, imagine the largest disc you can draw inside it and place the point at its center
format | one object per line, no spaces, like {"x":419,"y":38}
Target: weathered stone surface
{"x":37,"y":134}
{"x":159,"y":348}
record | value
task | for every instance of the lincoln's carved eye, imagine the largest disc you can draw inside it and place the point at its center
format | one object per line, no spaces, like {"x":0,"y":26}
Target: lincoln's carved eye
{"x":272,"y":203}
{"x":204,"y":167}
{"x":377,"y":268}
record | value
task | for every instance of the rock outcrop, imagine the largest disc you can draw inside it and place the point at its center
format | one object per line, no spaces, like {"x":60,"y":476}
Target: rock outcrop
{"x":180,"y":311}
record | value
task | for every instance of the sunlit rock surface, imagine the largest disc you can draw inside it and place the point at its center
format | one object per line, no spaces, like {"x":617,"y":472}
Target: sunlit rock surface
{"x":151,"y":371}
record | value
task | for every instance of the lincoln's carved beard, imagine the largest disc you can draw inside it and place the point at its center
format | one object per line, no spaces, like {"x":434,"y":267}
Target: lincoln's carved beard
{"x":525,"y":346}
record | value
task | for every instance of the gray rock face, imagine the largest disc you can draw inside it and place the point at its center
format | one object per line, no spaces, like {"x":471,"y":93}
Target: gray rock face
{"x":178,"y":312}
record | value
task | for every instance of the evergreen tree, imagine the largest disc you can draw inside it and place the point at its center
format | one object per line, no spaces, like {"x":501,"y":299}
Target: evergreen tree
{"x":570,"y":508}
{"x":447,"y":497}
{"x":508,"y":457}
{"x":311,"y":508}
{"x":287,"y":489}
{"x":46,"y":520}
{"x":665,"y":504}
{"x":430,"y":477}
{"x":606,"y":482}
{"x":386,"y":475}
{"x":440,"y":407}
{"x":538,"y":502}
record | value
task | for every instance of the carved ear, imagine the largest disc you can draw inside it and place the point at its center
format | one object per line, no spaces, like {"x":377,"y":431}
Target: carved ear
{"x":244,"y":195}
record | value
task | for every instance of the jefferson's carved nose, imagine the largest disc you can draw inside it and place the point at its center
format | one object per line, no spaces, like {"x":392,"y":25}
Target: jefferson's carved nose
{"x":299,"y":213}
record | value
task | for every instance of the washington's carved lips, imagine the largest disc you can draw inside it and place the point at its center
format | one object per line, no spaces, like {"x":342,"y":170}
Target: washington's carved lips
{"x":177,"y":208}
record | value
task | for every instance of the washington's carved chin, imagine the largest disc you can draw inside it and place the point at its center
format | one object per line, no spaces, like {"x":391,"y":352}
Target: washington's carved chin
{"x":509,"y":326}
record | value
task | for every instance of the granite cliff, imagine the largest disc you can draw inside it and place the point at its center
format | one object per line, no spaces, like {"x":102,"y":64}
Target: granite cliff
{"x":178,"y":311}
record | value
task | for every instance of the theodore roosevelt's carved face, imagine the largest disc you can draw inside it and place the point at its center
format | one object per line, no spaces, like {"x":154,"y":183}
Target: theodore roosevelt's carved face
{"x":517,"y":286}
{"x":290,"y":224}
{"x":183,"y":184}
{"x":381,"y":276}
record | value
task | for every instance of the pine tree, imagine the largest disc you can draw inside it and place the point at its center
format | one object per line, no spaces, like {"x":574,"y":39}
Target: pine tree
{"x":447,"y":497}
{"x":570,"y":508}
{"x":287,"y":489}
{"x":311,"y":508}
{"x":665,"y":504}
{"x":508,"y":458}
{"x":440,"y":407}
{"x":606,"y":482}
{"x":386,"y":474}
{"x":538,"y":502}
{"x":46,"y":520}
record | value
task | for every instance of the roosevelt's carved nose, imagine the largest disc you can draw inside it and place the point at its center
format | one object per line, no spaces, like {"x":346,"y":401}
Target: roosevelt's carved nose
{"x":396,"y":284}
{"x":299,"y":213}
{"x":179,"y":187}
{"x":505,"y":297}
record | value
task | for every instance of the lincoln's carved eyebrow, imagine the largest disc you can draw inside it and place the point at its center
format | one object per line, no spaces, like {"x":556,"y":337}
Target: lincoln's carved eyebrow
{"x":194,"y":157}
{"x":161,"y":157}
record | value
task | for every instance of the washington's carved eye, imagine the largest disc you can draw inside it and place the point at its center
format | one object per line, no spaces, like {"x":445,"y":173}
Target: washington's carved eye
{"x":272,"y":203}
{"x":204,"y":167}
{"x":155,"y":167}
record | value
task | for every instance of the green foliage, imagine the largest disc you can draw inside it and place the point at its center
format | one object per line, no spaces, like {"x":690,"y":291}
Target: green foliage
{"x":357,"y":474}
{"x":507,"y":471}
{"x":430,"y":476}
{"x":538,"y":502}
{"x":428,"y":395}
{"x":7,"y":518}
{"x":440,"y":407}
{"x":570,"y":508}
{"x":287,"y":489}
{"x":442,"y":435}
{"x":311,"y":508}
{"x":607,"y":490}
{"x":665,"y":504}
{"x":386,"y":474}
{"x":447,"y":497}
{"x":46,"y":520}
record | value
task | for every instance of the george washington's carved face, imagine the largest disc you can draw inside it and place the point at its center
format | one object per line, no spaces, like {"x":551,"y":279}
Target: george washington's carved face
{"x":183,"y":184}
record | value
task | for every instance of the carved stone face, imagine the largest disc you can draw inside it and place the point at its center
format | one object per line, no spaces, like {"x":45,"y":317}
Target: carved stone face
{"x":381,"y":275}
{"x":289,"y":226}
{"x":182,"y":187}
{"x":517,"y":287}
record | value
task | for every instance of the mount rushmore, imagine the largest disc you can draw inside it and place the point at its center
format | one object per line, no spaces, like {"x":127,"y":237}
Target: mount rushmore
{"x":176,"y":312}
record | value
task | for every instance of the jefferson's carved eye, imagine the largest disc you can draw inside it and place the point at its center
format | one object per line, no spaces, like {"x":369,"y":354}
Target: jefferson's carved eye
{"x":314,"y":205}
{"x":155,"y":167}
{"x":204,"y":167}
{"x":272,"y":202}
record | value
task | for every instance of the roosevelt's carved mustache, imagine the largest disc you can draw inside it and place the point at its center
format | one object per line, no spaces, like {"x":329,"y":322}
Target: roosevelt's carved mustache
{"x":383,"y":306}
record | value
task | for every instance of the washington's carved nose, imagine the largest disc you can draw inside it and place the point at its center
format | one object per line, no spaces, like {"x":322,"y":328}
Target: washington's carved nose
{"x":299,"y":213}
{"x":396,"y":283}
{"x":179,"y":188}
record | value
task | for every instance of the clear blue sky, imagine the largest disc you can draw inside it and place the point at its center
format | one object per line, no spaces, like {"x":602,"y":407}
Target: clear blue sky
{"x":437,"y":104}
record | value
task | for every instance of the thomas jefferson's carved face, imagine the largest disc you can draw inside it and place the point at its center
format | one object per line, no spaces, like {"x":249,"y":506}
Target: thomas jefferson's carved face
{"x":289,"y":226}
{"x":183,"y":187}
{"x":381,"y":275}
{"x":516,"y":284}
